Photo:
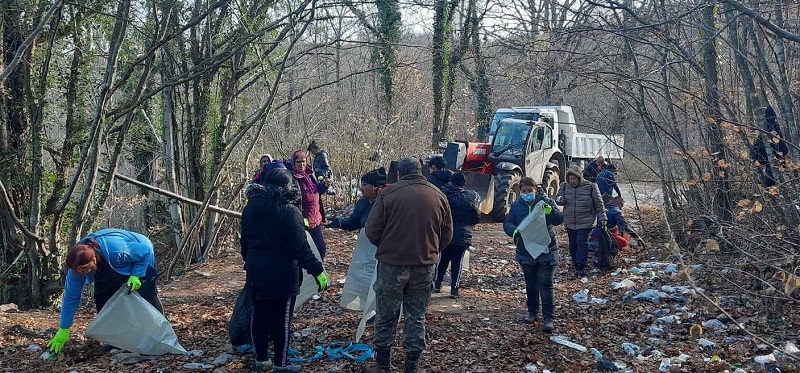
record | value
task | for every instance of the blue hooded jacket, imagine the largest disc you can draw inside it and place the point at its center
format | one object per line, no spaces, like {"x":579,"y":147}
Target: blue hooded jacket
{"x":517,"y":213}
{"x":356,"y":220}
{"x":607,"y":182}
{"x":128,"y":253}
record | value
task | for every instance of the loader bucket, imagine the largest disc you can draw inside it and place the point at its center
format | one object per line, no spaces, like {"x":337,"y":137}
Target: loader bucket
{"x":484,"y":185}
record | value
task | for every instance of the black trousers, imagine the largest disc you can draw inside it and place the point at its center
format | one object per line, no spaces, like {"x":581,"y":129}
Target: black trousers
{"x":107,"y":281}
{"x":451,"y":256}
{"x":272,"y":321}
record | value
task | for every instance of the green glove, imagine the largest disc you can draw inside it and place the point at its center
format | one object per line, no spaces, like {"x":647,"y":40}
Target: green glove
{"x":602,"y":225}
{"x":57,"y":343}
{"x":305,"y":222}
{"x":322,"y":281}
{"x":134,"y":282}
{"x":547,"y":209}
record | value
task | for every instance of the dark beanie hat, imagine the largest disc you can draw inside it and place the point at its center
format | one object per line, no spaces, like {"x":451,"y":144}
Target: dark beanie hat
{"x":458,"y":179}
{"x":278,"y":176}
{"x":375,"y":177}
{"x":274,"y":165}
{"x":438,"y":161}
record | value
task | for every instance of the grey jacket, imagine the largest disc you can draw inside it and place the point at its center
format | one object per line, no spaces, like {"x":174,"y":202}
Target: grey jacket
{"x":582,"y":205}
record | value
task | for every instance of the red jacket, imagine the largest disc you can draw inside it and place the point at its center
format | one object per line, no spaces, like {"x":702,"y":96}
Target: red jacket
{"x":309,"y":191}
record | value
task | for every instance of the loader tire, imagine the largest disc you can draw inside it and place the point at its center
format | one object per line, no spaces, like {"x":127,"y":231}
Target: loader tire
{"x":551,"y":182}
{"x":506,"y":192}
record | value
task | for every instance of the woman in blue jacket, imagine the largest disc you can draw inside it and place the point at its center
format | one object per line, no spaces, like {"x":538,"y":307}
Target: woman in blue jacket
{"x":109,"y":258}
{"x":538,"y":271}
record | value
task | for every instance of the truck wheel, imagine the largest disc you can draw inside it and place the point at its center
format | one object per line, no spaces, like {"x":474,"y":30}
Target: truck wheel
{"x":506,"y":192}
{"x":550,"y":182}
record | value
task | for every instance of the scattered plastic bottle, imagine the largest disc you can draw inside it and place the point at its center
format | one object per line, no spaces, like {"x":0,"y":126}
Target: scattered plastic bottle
{"x":705,"y":343}
{"x":765,"y":359}
{"x":597,"y":354}
{"x":631,"y":348}
{"x":664,"y":366}
{"x":655,"y":330}
{"x":564,"y":341}
{"x":668,"y":319}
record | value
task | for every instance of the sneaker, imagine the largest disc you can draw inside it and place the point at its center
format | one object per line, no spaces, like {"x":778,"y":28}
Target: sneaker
{"x":437,"y":287}
{"x":531,"y":318}
{"x":548,"y":325}
{"x":288,"y":368}
{"x":454,"y":293}
{"x":262,"y":366}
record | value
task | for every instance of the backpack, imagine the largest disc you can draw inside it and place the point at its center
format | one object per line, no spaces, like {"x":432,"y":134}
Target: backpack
{"x":606,"y":251}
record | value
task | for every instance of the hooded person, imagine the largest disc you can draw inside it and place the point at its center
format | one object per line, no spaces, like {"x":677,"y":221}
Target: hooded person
{"x":607,"y":180}
{"x":310,"y":191}
{"x":583,"y":206}
{"x":274,"y":248}
{"x":263,"y":160}
{"x":466,"y":213}
{"x":439,"y":175}
{"x":372,"y":183}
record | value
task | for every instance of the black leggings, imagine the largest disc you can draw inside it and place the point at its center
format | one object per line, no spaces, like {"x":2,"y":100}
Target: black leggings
{"x":272,"y":321}
{"x":107,"y":281}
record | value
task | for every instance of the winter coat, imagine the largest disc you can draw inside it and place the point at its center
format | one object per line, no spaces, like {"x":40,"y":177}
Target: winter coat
{"x":590,"y":172}
{"x":310,"y":190}
{"x":464,"y":209}
{"x":357,"y":219}
{"x":410,"y":223}
{"x":440,"y":178}
{"x":616,"y":218}
{"x":582,"y":205}
{"x":607,"y":182}
{"x":321,"y":165}
{"x":273,"y":243}
{"x":127,"y":253}
{"x":516,"y":214}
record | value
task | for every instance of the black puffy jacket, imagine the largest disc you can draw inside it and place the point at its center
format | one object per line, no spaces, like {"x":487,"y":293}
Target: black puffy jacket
{"x":274,"y":244}
{"x":440,"y":178}
{"x":464,"y":208}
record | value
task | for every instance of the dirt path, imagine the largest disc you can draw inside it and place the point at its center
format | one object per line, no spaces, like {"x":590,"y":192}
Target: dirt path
{"x":478,"y":332}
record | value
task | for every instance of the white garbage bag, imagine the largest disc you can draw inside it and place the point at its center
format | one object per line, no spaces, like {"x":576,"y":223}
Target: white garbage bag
{"x":309,"y":288}
{"x":358,"y":282}
{"x":129,"y":322}
{"x":369,"y":305}
{"x":534,"y":233}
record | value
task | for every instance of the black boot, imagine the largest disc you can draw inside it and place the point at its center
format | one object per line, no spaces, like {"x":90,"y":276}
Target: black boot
{"x":437,"y":287}
{"x":531,"y":318}
{"x":412,"y":358}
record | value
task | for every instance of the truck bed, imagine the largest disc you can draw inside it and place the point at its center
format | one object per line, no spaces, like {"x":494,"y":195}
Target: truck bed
{"x":588,"y":145}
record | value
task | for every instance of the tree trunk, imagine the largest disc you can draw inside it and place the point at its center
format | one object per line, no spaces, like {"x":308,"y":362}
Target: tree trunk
{"x":720,"y":177}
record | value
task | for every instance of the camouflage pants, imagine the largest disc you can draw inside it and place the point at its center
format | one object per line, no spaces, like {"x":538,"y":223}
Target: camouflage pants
{"x":409,"y":287}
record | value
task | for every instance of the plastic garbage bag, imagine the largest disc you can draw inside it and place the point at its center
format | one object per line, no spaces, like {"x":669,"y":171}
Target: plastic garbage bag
{"x":239,"y":324}
{"x":714,"y":324}
{"x":359,"y":275}
{"x":309,"y":287}
{"x":534,"y":233}
{"x":669,"y":319}
{"x":624,"y":284}
{"x":651,"y":295}
{"x":369,"y":306}
{"x":131,"y":323}
{"x":581,"y":296}
{"x":765,"y":359}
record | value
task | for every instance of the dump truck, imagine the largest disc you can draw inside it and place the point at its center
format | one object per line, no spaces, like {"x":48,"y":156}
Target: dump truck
{"x":540,"y":142}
